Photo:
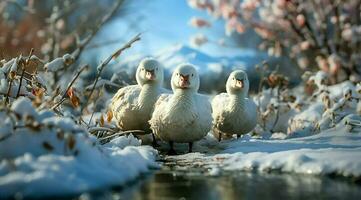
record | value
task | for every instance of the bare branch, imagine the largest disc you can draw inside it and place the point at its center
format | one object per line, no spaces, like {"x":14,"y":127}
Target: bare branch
{"x":23,"y":72}
{"x":86,"y":41}
{"x":106,"y":61}
{"x":21,"y":7}
{"x":69,"y":86}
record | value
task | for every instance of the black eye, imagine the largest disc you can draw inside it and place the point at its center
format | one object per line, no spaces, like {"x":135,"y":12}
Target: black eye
{"x":142,"y":69}
{"x":192,"y":74}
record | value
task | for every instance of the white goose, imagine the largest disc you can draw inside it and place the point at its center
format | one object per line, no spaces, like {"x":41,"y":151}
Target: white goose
{"x":185,"y":116}
{"x":234,"y":112}
{"x":132,"y":105}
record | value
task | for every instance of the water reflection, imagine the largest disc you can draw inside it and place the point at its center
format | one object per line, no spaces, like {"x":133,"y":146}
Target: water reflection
{"x":167,"y":184}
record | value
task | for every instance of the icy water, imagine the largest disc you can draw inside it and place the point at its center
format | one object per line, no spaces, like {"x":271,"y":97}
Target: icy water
{"x":172,"y":182}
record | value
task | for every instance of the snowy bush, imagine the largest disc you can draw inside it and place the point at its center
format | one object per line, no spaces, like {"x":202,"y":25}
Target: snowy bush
{"x":48,"y":137}
{"x":307,"y":109}
{"x":316,"y":34}
{"x":51,"y":151}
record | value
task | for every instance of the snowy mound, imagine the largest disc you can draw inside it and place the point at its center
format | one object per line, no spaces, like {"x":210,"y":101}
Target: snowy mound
{"x":213,"y":70}
{"x":336,"y":151}
{"x":46,"y":155}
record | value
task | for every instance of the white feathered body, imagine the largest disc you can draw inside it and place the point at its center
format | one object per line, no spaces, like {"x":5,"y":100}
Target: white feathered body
{"x":233,"y":114}
{"x":132,"y":106}
{"x":181,"y":118}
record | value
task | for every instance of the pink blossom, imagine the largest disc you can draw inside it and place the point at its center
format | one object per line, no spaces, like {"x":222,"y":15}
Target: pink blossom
{"x":322,"y":63}
{"x":198,"y":22}
{"x":249,"y":5}
{"x":281,"y":3}
{"x":334,"y":62}
{"x":198,"y":39}
{"x":303,"y":62}
{"x":305,"y":45}
{"x":263,"y":32}
{"x":347,"y":34}
{"x":301,"y":20}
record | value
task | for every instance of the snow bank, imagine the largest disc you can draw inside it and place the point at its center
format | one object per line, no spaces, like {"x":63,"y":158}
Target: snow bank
{"x":334,"y":151}
{"x":44,"y":155}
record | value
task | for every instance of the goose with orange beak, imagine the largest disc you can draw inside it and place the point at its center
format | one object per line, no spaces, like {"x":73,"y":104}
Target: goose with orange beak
{"x":132,"y":105}
{"x":233,"y":112}
{"x":185,"y":115}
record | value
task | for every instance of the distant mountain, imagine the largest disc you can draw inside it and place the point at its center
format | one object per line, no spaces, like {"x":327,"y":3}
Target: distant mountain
{"x":213,"y":70}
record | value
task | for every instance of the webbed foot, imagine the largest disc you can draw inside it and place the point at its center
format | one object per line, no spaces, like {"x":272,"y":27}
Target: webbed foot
{"x":171,"y":150}
{"x":190,"y":147}
{"x":154,"y":142}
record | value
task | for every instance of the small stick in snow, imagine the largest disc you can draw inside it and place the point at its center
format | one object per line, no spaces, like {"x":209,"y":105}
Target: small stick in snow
{"x":16,"y":62}
{"x":134,"y":132}
{"x":23,"y":72}
{"x":95,"y":103}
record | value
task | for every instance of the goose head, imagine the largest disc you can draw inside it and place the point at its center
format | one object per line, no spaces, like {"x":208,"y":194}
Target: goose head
{"x":149,"y":71}
{"x":237,"y":83}
{"x":185,"y":78}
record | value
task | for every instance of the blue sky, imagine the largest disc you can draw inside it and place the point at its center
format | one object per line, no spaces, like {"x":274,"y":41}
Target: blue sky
{"x":163,"y":23}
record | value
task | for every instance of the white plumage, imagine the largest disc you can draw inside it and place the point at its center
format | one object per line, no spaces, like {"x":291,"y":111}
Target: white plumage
{"x":185,"y":116}
{"x":132,"y":105}
{"x":234,"y":112}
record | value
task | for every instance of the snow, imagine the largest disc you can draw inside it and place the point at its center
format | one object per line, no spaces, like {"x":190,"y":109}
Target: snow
{"x":123,"y":141}
{"x":55,"y":65}
{"x":47,"y":155}
{"x":335,"y":151}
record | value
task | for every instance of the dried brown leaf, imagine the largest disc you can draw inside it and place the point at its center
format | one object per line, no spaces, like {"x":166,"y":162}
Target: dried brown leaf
{"x":71,"y":142}
{"x":109,"y":116}
{"x":47,"y":146}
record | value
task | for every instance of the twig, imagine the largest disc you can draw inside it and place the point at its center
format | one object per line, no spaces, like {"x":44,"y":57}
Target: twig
{"x":102,"y":44}
{"x":8,"y":92}
{"x":122,"y":133}
{"x":21,"y":7}
{"x":23,"y":72}
{"x":97,"y":128}
{"x":277,"y":111}
{"x":104,"y":63}
{"x":69,"y":86}
{"x":5,"y":137}
{"x":106,"y":18}
{"x":95,"y":103}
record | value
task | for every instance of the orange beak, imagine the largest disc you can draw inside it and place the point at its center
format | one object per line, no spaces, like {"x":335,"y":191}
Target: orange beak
{"x":239,"y":83}
{"x":184,"y":81}
{"x":149,"y":74}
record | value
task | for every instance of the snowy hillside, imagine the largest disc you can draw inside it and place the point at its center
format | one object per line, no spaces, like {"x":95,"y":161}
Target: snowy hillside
{"x":213,"y":70}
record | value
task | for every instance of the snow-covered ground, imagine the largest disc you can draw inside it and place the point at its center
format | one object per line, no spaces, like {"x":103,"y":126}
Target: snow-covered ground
{"x":335,"y":151}
{"x":46,"y":155}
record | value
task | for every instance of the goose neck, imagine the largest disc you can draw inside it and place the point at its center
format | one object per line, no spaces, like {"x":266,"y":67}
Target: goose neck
{"x":149,"y":92}
{"x":237,"y":101}
{"x":185,"y":96}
